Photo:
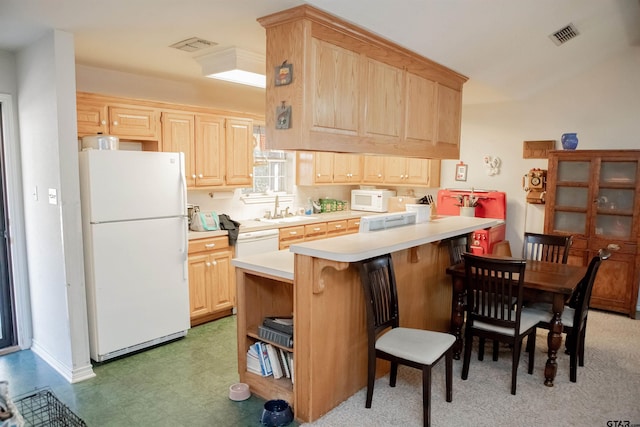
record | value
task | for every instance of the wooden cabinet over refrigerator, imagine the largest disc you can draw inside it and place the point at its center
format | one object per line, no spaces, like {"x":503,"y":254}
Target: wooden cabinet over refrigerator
{"x":594,"y":195}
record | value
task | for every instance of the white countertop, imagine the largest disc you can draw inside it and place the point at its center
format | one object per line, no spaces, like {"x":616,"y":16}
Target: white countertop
{"x":249,"y":225}
{"x":276,"y":263}
{"x":360,"y":246}
{"x":356,"y":247}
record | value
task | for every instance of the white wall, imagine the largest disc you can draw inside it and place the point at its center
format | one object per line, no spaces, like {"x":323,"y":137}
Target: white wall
{"x":48,"y":137}
{"x":602,"y":105}
{"x":210,"y":93}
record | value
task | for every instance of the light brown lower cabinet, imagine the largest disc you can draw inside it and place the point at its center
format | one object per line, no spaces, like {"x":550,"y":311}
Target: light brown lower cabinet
{"x":211,"y":279}
{"x":316,"y":231}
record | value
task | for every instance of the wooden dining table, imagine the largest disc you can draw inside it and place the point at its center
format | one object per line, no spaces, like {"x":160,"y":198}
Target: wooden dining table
{"x":543,"y":282}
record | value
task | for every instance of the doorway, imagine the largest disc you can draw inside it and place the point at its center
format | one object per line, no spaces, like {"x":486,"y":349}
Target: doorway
{"x":7,"y":312}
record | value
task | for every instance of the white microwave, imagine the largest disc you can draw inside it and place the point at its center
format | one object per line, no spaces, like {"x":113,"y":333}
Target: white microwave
{"x":376,"y":200}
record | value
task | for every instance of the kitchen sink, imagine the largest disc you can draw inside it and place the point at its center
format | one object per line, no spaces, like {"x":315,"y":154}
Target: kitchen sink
{"x":287,"y":219}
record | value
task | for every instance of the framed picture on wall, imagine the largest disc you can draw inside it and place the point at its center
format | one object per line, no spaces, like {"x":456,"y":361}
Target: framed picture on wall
{"x":461,"y":172}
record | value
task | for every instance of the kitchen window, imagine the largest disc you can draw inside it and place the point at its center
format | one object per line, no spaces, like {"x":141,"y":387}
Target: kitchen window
{"x":269,"y":166}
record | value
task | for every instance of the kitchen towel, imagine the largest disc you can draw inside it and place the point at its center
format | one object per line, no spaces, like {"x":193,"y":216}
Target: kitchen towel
{"x":232,"y":227}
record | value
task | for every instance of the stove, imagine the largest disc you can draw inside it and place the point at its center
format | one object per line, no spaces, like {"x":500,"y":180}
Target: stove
{"x":491,"y":204}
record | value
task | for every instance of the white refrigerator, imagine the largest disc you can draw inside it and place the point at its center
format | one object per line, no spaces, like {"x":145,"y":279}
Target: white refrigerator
{"x":134,"y":227}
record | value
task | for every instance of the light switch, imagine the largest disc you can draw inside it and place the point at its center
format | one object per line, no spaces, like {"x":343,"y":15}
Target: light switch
{"x":53,"y":196}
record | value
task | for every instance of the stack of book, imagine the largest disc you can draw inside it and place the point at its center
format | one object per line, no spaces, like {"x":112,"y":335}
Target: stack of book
{"x":278,"y":330}
{"x":265,"y":359}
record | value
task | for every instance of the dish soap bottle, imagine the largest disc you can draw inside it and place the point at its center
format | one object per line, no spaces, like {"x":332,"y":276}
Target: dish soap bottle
{"x":308,"y":208}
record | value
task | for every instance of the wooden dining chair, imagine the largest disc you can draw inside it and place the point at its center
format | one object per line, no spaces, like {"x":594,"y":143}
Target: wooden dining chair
{"x":493,"y":284}
{"x":457,"y":246}
{"x":574,"y":317}
{"x":546,"y":247}
{"x":416,"y":348}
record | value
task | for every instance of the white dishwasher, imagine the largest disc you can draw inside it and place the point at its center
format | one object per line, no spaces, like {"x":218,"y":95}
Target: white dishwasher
{"x":256,"y":242}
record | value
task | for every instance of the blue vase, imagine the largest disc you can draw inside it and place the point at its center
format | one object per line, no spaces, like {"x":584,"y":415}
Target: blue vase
{"x":569,"y":141}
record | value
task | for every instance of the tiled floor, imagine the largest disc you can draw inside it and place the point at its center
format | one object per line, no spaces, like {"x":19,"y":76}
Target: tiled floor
{"x":184,"y":383}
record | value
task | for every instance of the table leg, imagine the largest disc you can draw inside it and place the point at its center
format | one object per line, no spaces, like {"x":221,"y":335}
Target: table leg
{"x":457,"y":314}
{"x":554,"y":339}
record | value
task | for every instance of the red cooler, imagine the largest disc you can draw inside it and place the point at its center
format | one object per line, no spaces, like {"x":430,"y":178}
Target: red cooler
{"x":491,"y":204}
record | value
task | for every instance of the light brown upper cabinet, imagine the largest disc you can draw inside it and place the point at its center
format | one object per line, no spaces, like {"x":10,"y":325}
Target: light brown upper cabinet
{"x":239,"y":152}
{"x":218,"y":151}
{"x":353,"y":92}
{"x":129,"y":122}
{"x":323,"y":167}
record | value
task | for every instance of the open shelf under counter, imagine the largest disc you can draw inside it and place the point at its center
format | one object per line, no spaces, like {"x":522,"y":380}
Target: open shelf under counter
{"x":264,"y":288}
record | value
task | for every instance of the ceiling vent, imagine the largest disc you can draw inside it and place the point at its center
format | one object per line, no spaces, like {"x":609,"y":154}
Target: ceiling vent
{"x":563,"y":35}
{"x":193,"y":44}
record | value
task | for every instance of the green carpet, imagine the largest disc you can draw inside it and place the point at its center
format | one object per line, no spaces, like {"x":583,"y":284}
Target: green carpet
{"x":183,"y":383}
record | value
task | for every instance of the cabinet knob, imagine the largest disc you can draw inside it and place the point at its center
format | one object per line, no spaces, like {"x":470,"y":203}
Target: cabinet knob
{"x":215,"y":263}
{"x":208,"y":264}
{"x":103,"y":122}
{"x":338,"y":226}
{"x":316,"y":229}
{"x":250,"y":175}
{"x":193,"y":176}
{"x":209,"y":245}
{"x":200,"y":176}
{"x":379,"y":175}
{"x":293,"y":233}
{"x":318,"y":175}
{"x":115,"y":123}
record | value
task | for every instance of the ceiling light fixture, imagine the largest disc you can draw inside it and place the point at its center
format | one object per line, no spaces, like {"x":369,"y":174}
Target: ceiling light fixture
{"x":234,"y":65}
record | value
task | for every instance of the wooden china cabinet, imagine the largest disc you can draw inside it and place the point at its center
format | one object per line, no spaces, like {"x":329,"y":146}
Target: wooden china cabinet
{"x":594,"y":195}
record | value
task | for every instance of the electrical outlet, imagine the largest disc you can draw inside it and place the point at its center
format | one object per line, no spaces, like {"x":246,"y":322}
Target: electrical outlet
{"x":53,"y":196}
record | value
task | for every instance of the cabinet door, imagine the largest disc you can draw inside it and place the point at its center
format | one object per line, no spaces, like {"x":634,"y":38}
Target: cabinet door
{"x":417,"y":171}
{"x":614,"y":284}
{"x":239,"y":152}
{"x":395,"y":170}
{"x":336,"y":74}
{"x":222,"y":283}
{"x":420,"y":96}
{"x":347,"y":168}
{"x":178,"y":137}
{"x":209,"y":150}
{"x":616,"y":199}
{"x":569,"y":197}
{"x":323,"y":167}
{"x":134,"y":123}
{"x":383,"y":108}
{"x":92,"y":118}
{"x":448,"y":120}
{"x":373,"y":169}
{"x":199,"y":287}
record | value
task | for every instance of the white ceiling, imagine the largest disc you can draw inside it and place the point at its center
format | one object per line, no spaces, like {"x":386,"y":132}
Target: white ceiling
{"x":501,"y":45}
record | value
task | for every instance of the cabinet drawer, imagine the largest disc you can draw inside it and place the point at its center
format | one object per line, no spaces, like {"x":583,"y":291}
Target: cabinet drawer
{"x":292,"y":233}
{"x":353,"y":224}
{"x":318,"y":229}
{"x":622,"y":246}
{"x":337,"y":227}
{"x":208,"y":244}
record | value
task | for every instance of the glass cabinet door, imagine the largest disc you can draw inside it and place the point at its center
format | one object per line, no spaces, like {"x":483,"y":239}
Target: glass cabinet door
{"x":572,"y":197}
{"x":615,"y":199}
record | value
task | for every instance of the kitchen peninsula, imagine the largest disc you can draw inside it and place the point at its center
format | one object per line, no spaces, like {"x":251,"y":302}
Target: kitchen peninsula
{"x":318,"y":283}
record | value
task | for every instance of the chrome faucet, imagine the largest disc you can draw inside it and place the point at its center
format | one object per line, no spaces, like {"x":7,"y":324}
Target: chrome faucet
{"x":275,"y":208}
